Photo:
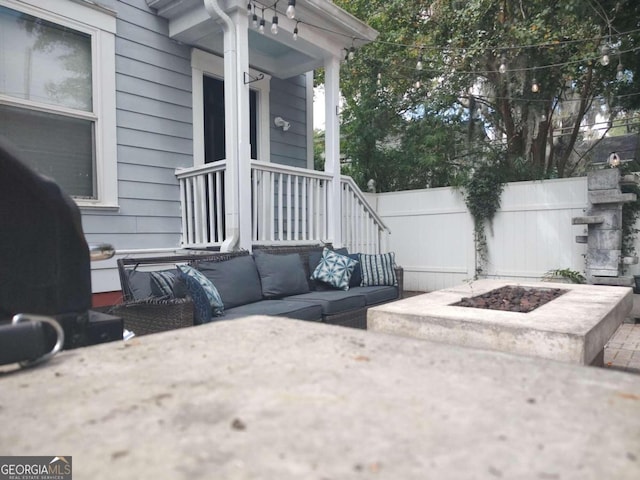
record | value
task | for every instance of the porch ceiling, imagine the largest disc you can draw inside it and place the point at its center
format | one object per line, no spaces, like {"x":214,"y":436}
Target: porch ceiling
{"x":278,"y":55}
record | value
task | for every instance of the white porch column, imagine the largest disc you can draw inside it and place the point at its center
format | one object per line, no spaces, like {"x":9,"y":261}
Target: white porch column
{"x":332,"y":148}
{"x":238,"y":149}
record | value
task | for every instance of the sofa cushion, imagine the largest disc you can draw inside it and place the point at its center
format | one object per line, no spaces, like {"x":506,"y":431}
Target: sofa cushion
{"x":377,"y":294}
{"x":139,"y":284}
{"x":378,"y":269}
{"x":237,"y":280}
{"x":282,"y":308}
{"x":356,"y":275}
{"x":280,"y":275}
{"x":334,"y":269}
{"x":210,"y":290}
{"x":202,"y":312}
{"x":332,"y":301}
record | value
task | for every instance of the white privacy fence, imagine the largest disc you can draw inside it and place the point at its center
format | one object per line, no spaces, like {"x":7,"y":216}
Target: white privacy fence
{"x":288,"y":206}
{"x":531,"y":234}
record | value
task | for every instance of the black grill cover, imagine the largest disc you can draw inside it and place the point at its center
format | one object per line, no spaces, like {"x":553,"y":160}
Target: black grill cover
{"x":44,"y":257}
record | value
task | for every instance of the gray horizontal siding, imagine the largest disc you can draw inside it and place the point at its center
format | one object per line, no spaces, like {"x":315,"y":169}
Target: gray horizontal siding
{"x":147,"y":89}
{"x":157,"y":158}
{"x":143,"y":53}
{"x":149,"y":208}
{"x":134,"y":172}
{"x":288,"y":100}
{"x":152,"y":72}
{"x":162,"y":126}
{"x":153,"y":106}
{"x":154,"y":133}
{"x":140,"y":138}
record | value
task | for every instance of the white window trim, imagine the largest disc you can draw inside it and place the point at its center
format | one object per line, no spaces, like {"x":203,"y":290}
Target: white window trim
{"x":100,"y":23}
{"x":204,"y":63}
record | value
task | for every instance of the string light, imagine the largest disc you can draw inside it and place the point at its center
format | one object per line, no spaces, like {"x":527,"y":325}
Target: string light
{"x":261,"y":27}
{"x":255,"y":20}
{"x":295,"y":32}
{"x":620,"y":72}
{"x":274,"y":25}
{"x":503,"y":65}
{"x":379,"y":80}
{"x":249,"y":8}
{"x":535,"y":88}
{"x":604,"y":50}
{"x":291,"y":10}
{"x":352,"y":53}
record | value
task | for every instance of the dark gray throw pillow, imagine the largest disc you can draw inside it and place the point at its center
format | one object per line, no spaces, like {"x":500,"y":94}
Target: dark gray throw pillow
{"x":281,"y":275}
{"x":139,"y":284}
{"x":236,"y":279}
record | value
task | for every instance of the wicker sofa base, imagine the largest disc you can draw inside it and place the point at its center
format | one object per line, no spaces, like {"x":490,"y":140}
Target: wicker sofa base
{"x":155,"y":315}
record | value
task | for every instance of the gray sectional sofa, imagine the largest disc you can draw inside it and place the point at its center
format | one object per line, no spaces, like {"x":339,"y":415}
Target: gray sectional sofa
{"x":270,"y":281}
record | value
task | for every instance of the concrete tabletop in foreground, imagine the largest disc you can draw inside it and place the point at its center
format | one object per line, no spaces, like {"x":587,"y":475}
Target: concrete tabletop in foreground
{"x":271,"y":398}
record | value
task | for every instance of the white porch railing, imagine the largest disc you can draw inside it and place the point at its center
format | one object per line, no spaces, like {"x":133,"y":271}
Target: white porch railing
{"x":362,"y":229}
{"x":289,"y":206}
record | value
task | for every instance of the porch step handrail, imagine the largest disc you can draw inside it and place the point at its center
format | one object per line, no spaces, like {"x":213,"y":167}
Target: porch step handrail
{"x":362,"y":228}
{"x":353,"y":186}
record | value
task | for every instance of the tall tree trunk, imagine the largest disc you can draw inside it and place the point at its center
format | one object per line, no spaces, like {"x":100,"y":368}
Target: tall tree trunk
{"x":584,"y":101}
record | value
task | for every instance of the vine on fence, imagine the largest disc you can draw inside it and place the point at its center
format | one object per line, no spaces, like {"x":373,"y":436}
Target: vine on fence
{"x":482,"y":192}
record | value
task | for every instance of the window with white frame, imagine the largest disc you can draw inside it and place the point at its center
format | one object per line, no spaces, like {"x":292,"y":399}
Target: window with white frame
{"x":57,"y":94}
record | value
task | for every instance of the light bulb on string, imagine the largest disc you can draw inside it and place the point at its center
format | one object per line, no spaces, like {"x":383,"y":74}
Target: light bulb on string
{"x":419,"y":63}
{"x":249,"y":9}
{"x":291,"y":9}
{"x":543,"y":118}
{"x":274,"y":25}
{"x":604,"y":60}
{"x":620,"y":72}
{"x":535,"y":88}
{"x":352,"y":53}
{"x":503,"y":65}
{"x":255,"y":20}
{"x":295,"y":32}
{"x":379,"y":80}
{"x":261,"y":27}
{"x":418,"y":84}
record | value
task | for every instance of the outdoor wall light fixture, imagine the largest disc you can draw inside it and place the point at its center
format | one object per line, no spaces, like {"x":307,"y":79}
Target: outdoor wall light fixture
{"x":281,"y":123}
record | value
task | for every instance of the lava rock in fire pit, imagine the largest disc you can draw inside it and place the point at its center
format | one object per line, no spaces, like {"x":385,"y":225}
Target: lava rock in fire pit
{"x":512,"y":299}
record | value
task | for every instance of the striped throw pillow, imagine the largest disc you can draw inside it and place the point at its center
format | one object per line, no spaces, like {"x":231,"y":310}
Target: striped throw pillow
{"x":378,"y":269}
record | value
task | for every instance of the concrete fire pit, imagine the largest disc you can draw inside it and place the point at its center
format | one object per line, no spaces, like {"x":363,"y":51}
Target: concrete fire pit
{"x":572,"y":328}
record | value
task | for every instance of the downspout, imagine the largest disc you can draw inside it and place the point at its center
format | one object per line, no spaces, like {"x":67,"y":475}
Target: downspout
{"x":231,"y":91}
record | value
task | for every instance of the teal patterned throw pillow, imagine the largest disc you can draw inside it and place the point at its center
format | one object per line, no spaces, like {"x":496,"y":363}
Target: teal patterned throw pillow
{"x":334,"y":269}
{"x":215,"y":302}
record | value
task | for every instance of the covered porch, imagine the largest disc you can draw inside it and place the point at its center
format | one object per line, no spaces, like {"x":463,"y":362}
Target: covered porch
{"x":245,"y":197}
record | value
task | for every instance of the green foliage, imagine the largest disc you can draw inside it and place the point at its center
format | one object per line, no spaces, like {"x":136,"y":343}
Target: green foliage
{"x":571,"y":276}
{"x":408,"y":137}
{"x":482,"y":192}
